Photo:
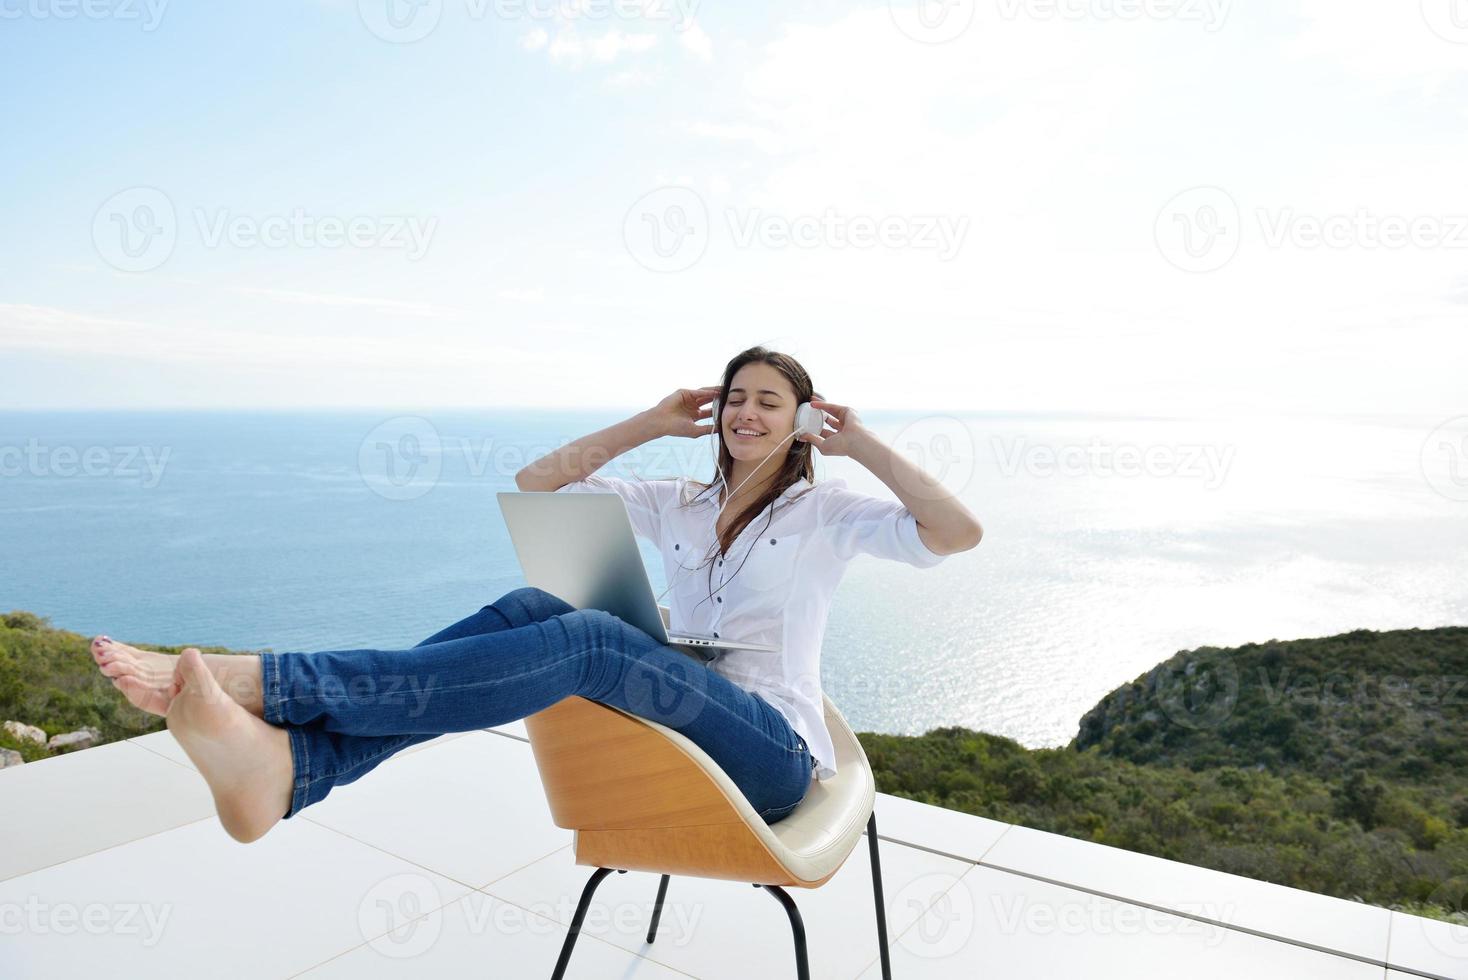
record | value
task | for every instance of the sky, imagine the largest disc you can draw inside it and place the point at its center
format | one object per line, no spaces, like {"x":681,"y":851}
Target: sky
{"x":1159,"y":207}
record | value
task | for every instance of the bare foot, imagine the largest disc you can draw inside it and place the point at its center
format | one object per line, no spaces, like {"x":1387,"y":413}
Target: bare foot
{"x":146,"y":677}
{"x":245,"y":760}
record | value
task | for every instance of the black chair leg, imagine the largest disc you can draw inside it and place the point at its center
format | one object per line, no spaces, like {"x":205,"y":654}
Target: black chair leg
{"x":570,"y":943}
{"x":877,"y":891}
{"x":657,"y":909}
{"x":797,"y":926}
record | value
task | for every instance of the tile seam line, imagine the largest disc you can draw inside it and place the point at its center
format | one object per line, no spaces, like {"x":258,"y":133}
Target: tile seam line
{"x":109,"y":847}
{"x":1370,"y":961}
{"x":392,"y":854}
{"x":85,"y":854}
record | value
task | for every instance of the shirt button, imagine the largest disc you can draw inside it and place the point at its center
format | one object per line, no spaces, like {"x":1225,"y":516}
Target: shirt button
{"x":772,"y":541}
{"x":719,"y":597}
{"x":721,"y":563}
{"x":716,"y":634}
{"x":675,"y":547}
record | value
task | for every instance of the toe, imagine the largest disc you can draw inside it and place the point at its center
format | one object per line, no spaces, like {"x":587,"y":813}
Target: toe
{"x":142,"y":696}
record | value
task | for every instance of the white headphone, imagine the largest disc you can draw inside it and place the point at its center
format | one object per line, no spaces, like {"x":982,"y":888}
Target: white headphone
{"x":809,"y":420}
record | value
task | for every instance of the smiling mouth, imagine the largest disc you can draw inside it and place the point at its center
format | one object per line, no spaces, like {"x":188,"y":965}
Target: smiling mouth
{"x":740,"y":435}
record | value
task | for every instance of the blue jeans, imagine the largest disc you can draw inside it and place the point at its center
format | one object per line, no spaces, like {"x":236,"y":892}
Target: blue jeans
{"x":349,"y":710}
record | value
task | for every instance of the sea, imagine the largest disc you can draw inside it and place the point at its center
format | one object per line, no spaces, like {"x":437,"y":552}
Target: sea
{"x":1110,"y":543}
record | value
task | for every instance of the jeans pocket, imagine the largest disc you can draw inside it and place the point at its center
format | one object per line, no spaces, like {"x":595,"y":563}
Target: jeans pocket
{"x":776,"y":813}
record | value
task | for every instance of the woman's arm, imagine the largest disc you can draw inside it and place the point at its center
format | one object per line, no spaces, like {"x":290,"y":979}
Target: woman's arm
{"x":945,"y":525}
{"x":678,"y":414}
{"x":578,"y":460}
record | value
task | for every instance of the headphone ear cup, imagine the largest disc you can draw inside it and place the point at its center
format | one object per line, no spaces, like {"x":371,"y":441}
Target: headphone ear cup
{"x":809,"y":420}
{"x":714,"y":417}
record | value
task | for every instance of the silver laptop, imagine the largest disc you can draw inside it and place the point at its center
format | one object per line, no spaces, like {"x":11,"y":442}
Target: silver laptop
{"x":580,"y":547}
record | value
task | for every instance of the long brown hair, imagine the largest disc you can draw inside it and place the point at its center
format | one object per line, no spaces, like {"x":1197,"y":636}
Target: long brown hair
{"x":798,"y":462}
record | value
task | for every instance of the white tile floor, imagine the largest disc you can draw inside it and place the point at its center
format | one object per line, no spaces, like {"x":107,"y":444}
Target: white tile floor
{"x":443,"y":861}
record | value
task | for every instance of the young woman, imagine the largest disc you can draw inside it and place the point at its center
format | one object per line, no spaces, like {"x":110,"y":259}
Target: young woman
{"x":272,"y":733}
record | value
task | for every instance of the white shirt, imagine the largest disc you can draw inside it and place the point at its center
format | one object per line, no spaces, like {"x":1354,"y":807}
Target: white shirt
{"x":787,"y":569}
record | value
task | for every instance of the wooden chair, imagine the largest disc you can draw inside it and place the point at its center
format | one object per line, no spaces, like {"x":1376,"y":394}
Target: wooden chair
{"x":639,"y":795}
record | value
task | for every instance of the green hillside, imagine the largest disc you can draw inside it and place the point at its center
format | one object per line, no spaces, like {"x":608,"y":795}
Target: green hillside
{"x":1393,"y":703}
{"x":1338,"y":765}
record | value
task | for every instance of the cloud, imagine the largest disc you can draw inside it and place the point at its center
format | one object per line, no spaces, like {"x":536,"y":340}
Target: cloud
{"x":696,"y":42}
{"x":638,"y":77}
{"x":573,"y":50}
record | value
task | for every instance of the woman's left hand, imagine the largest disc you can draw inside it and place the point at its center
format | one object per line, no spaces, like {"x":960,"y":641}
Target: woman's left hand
{"x":839,"y":433}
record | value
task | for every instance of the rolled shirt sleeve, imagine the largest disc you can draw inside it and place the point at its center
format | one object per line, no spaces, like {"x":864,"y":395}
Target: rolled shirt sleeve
{"x":645,"y":499}
{"x":858,"y":523}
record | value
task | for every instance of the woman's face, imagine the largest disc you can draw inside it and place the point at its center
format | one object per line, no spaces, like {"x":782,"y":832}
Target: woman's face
{"x":761,"y":400}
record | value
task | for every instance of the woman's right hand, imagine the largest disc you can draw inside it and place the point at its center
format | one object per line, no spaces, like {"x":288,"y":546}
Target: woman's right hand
{"x":681,"y":412}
